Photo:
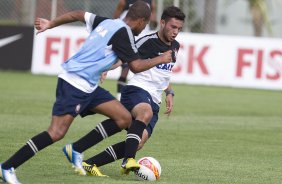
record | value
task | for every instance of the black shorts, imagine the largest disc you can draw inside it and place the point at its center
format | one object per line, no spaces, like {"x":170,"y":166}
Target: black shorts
{"x":70,"y":100}
{"x":133,"y":95}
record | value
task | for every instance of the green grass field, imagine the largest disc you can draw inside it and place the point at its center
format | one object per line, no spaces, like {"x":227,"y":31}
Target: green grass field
{"x":215,"y":135}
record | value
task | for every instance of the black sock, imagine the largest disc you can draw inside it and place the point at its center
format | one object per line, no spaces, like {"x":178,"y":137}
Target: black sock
{"x":133,"y":138}
{"x":32,"y":146}
{"x":121,"y":83}
{"x":112,"y":153}
{"x":103,"y":130}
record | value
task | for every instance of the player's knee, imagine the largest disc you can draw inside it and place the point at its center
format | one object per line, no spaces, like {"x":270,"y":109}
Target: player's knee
{"x":56,"y":135}
{"x":145,"y":117}
{"x":142,"y":112}
{"x":148,"y":115}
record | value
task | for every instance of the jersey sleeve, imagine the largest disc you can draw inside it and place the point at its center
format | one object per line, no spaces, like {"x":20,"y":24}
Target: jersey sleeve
{"x":123,"y":45}
{"x":92,"y":21}
{"x":144,"y":52}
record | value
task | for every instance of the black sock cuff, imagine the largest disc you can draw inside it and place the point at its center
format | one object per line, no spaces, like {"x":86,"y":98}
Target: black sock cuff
{"x":108,"y":128}
{"x":136,"y":129}
{"x":32,"y":146}
{"x":117,"y":150}
{"x":137,"y":125}
{"x":40,"y":141}
{"x":133,"y":138}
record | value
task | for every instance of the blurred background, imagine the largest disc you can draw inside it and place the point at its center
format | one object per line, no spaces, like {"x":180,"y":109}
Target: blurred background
{"x":228,"y":17}
{"x":234,"y":43}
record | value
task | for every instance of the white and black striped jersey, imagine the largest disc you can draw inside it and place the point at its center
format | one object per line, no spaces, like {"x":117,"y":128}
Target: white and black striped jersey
{"x":156,"y":79}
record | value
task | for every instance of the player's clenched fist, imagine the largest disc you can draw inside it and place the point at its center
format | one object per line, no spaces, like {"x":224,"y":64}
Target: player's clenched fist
{"x":167,"y":56}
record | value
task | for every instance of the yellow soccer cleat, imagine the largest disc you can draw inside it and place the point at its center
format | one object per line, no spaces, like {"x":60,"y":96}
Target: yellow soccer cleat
{"x":92,"y":170}
{"x":128,"y":165}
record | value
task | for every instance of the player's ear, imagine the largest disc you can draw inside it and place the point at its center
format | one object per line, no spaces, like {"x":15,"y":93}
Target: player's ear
{"x":162,"y":23}
{"x":141,"y":21}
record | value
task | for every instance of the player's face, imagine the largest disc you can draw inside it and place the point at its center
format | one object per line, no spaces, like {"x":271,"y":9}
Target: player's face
{"x":171,"y":28}
{"x":141,"y":24}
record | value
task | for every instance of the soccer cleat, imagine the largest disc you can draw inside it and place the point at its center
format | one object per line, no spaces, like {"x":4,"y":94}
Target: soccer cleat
{"x":74,"y":158}
{"x":92,"y":170}
{"x":128,"y":165}
{"x":9,"y":175}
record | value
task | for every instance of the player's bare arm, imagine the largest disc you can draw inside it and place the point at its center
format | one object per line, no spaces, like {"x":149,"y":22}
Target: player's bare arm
{"x":119,"y":9}
{"x":103,"y":77}
{"x":138,"y":65}
{"x":42,"y":24}
{"x":153,"y":18}
{"x":104,"y":74}
{"x":169,"y":100}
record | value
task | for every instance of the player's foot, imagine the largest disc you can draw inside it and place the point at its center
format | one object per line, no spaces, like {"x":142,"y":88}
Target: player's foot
{"x":74,"y":158}
{"x":128,"y":165}
{"x":92,"y":170}
{"x":9,"y":175}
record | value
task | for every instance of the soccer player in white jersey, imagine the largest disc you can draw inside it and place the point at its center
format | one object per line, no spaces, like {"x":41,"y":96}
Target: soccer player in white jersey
{"x":120,"y":12}
{"x":142,"y":95}
{"x":78,"y":92}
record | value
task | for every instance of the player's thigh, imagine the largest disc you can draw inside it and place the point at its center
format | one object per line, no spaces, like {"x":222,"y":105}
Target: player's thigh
{"x":138,"y":101}
{"x":114,"y":110}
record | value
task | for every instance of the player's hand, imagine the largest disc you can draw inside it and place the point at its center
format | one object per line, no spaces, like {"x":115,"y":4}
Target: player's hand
{"x":167,"y":56}
{"x":42,"y":25}
{"x":103,"y":77}
{"x":169,"y":104}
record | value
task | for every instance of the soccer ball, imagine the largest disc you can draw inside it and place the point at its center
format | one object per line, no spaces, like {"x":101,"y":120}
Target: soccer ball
{"x":150,"y":169}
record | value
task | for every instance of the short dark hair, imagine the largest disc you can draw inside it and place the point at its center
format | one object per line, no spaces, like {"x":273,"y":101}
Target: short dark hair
{"x":173,"y":12}
{"x":138,"y":10}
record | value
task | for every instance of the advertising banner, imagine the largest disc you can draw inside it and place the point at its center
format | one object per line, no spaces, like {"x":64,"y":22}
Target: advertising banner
{"x":202,"y":59}
{"x":16,"y":47}
{"x":229,"y":61}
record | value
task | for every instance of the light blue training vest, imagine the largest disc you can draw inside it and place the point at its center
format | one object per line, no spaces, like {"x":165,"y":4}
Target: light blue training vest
{"x":95,"y":56}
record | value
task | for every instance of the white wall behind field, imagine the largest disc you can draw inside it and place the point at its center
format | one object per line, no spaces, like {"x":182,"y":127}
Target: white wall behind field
{"x":202,"y":59}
